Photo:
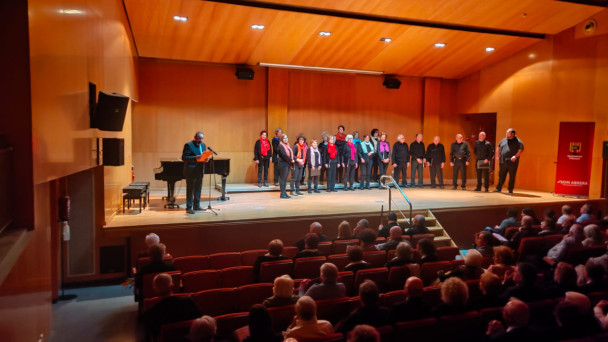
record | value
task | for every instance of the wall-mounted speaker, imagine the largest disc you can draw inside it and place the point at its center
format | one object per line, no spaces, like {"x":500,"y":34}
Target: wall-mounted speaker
{"x":110,"y":112}
{"x":244,"y":74}
{"x":391,"y":83}
{"x":113,"y":152}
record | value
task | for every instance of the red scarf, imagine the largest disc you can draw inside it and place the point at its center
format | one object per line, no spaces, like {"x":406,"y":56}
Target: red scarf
{"x":353,"y":151}
{"x":331,"y":149}
{"x":340,"y":136}
{"x":265,"y":147}
{"x":288,"y":150}
{"x":301,"y":151}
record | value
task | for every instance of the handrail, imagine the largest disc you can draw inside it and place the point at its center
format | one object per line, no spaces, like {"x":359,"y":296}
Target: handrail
{"x":392,"y":180}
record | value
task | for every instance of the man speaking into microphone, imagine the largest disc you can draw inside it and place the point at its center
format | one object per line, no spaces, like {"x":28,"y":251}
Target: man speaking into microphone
{"x":193,"y":171}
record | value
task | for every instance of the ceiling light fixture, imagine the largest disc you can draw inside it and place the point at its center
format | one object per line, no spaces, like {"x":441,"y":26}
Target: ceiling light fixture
{"x":257,"y":27}
{"x":315,"y":68}
{"x":180,"y":18}
{"x":70,"y":11}
{"x":440,"y":45}
{"x":490,"y":49}
{"x":324,"y":33}
{"x":386,"y":40}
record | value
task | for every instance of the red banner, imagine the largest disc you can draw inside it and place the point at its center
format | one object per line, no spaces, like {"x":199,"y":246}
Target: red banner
{"x":574,"y":153}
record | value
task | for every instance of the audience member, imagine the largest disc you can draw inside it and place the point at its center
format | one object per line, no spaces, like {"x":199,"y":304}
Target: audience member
{"x":316,"y":228}
{"x":414,"y":307}
{"x":311,"y":244}
{"x":527,"y":211}
{"x":394,"y":239}
{"x":367,"y":240}
{"x":328,"y":288}
{"x":170,"y":308}
{"x":355,"y":260}
{"x":428,"y":251}
{"x":469,"y":271}
{"x":574,"y":317}
{"x":593,"y":235}
{"x":344,"y":231}
{"x":564,"y":280}
{"x":150,"y":240}
{"x":525,"y":288}
{"x":549,"y":227}
{"x":403,"y":255}
{"x":574,"y":240}
{"x":510,"y":221}
{"x":526,"y":230}
{"x":362,"y":224}
{"x":454,"y":296}
{"x":490,"y":286}
{"x":418,"y":226}
{"x":282,"y":292}
{"x":260,"y":326}
{"x":203,"y":329}
{"x":384,"y":231}
{"x":485,"y":242}
{"x":156,"y":265}
{"x":549,"y":214}
{"x":369,"y":312}
{"x":516,"y":315}
{"x":363,"y":333}
{"x":503,"y":261}
{"x":305,"y":323}
{"x":594,"y":274}
{"x":566,"y":214}
{"x":601,"y":313}
{"x":586,"y":211}
{"x":275,"y":248}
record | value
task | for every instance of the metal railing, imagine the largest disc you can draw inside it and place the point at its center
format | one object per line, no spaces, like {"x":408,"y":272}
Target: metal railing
{"x":390,"y":199}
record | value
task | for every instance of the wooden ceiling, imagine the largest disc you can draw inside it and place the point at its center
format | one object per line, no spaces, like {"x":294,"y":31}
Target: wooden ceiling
{"x":221,"y":33}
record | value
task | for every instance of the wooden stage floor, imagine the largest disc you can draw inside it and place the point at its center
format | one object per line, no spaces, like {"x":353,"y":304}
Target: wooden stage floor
{"x":267,"y":204}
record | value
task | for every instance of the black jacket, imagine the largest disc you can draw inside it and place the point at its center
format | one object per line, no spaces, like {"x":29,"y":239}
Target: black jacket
{"x":363,"y":155}
{"x":417,"y":150}
{"x":346,"y":153}
{"x":401,"y":153}
{"x":459,"y":151}
{"x":435,"y":153}
{"x":483,"y":150}
{"x":275,"y":146}
{"x":257,"y":151}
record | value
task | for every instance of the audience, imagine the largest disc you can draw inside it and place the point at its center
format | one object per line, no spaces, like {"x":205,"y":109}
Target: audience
{"x":361,"y":226}
{"x":526,"y":230}
{"x":363,"y":333}
{"x":403,"y":255}
{"x":516,"y":315}
{"x":564,"y":280}
{"x":367,"y":240}
{"x":586,"y":211}
{"x":311,"y":244}
{"x":525,"y":288}
{"x":454,"y":297}
{"x":150,"y":240}
{"x":469,"y":271}
{"x":428,"y":251}
{"x":328,"y":288}
{"x":369,"y":313}
{"x":384,"y":231}
{"x":282,"y":292}
{"x":315,"y":228}
{"x":394,"y":239}
{"x":549,"y":227}
{"x":594,"y":273}
{"x":593,"y":235}
{"x":275,"y":248}
{"x":203,"y":329}
{"x":260,"y":326}
{"x":305,"y":323}
{"x":344,"y":231}
{"x":574,"y":317}
{"x":566,"y":214}
{"x":574,"y":239}
{"x":355,"y":260}
{"x":490,"y":286}
{"x":504,"y":259}
{"x":156,"y":265}
{"x":414,"y":307}
{"x":527,"y":211}
{"x":510,"y":221}
{"x":485,"y":242}
{"x":418,"y":226}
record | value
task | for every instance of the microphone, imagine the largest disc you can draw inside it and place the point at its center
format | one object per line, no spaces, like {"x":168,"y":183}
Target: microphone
{"x":210,"y":149}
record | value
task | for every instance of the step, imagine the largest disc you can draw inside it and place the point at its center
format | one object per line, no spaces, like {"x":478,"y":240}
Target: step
{"x":442,"y":241}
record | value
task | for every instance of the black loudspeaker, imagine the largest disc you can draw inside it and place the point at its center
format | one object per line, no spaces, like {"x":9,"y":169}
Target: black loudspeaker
{"x":110,"y":112}
{"x":113,"y":152}
{"x":244,"y":74}
{"x":391,"y":83}
{"x":605,"y":150}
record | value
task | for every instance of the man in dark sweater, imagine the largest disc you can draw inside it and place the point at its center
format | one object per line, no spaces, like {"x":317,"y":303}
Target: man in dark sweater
{"x":384,"y":231}
{"x":435,"y":160}
{"x":401,"y":160}
{"x":414,"y":306}
{"x":369,"y":313}
{"x":276,"y":140}
{"x":418,"y":226}
{"x":459,"y":159}
{"x":418,"y":159}
{"x":484,"y":151}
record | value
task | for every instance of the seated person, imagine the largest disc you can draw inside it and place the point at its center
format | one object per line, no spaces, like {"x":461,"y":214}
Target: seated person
{"x":311,"y":244}
{"x":328,"y":288}
{"x":363,"y":333}
{"x":504,"y":259}
{"x":275,"y":248}
{"x":362,"y":224}
{"x":490,"y":286}
{"x":549,"y":227}
{"x":414,"y":307}
{"x":485,"y":242}
{"x":564,"y":280}
{"x":282,"y":292}
{"x":566,"y":214}
{"x":355,"y":260}
{"x":527,"y":211}
{"x":150,"y":240}
{"x":525,"y":287}
{"x":418,"y":226}
{"x":573,"y":240}
{"x":516,"y":315}
{"x":305,"y":324}
{"x":316,"y":228}
{"x":260,"y":326}
{"x":526,"y":230}
{"x":471,"y":269}
{"x":510,"y":221}
{"x":594,"y":273}
{"x":156,"y":265}
{"x":384,"y":231}
{"x":344,"y":231}
{"x":394,"y":239}
{"x":367,"y":240}
{"x":454,"y":297}
{"x":203,"y":329}
{"x":601,"y":313}
{"x":170,"y":308}
{"x":403,"y":255}
{"x":369,"y":313}
{"x":586,"y":211}
{"x":593,"y":235}
{"x":428,"y":251}
{"x":574,"y":317}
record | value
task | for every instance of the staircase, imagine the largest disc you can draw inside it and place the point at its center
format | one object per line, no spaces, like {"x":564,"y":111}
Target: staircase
{"x":442,"y":238}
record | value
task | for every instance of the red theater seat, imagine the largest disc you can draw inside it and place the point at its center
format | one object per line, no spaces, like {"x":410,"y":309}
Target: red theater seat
{"x":340,"y":245}
{"x":419,"y":330}
{"x":466,"y":327}
{"x":447,"y":253}
{"x":308,"y":268}
{"x":177,"y":331}
{"x":340,"y":260}
{"x":224,"y":260}
{"x":347,"y":278}
{"x":227,"y":324}
{"x":375,"y":258}
{"x":271,"y":269}
{"x":252,"y":294}
{"x":236,"y":276}
{"x":325,"y":248}
{"x":290,"y":251}
{"x":200,"y":280}
{"x":378,"y":275}
{"x":281,"y":316}
{"x":428,"y":270}
{"x":335,"y":310}
{"x":416,"y":238}
{"x":397,"y":276}
{"x":217,"y":301}
{"x":150,"y":302}
{"x":192,"y":263}
{"x":249,"y":257}
{"x":390,"y":298}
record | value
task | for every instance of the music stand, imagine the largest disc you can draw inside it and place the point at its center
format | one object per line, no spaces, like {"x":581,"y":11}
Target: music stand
{"x":212,"y":172}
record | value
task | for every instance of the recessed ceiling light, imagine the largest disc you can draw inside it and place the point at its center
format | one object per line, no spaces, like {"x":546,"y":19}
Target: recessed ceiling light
{"x":257,"y":27}
{"x":532,"y":55}
{"x":70,"y":11}
{"x":440,"y":45}
{"x":386,"y":40}
{"x":489,"y":49}
{"x":180,"y":18}
{"x":325,"y":33}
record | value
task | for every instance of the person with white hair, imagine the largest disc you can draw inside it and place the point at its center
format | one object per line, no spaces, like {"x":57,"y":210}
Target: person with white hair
{"x":203,"y":329}
{"x":305,"y":323}
{"x":150,"y":240}
{"x":401,"y":160}
{"x":329,"y":287}
{"x":574,"y":317}
{"x":282,"y":292}
{"x":350,"y":162}
{"x":516,"y":315}
{"x":459,"y":159}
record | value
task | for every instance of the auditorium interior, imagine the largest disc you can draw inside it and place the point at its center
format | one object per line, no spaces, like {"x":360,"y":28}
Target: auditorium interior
{"x":234,"y":68}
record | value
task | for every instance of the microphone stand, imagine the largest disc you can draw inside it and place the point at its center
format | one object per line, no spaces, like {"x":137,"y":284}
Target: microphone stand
{"x":212,"y":167}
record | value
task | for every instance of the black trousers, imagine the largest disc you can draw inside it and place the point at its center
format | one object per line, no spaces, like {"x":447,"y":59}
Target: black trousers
{"x":401,"y":169}
{"x":436,"y":171}
{"x":323,"y":173}
{"x":383,"y":168}
{"x":194,"y":187}
{"x":277,"y":172}
{"x":349,"y":175}
{"x":283,"y":174}
{"x":263,"y":166}
{"x":296,"y":177}
{"x":331,"y":174}
{"x":486,"y":177}
{"x":340,"y":173}
{"x":366,"y":174}
{"x":416,"y":166}
{"x":375,"y":166}
{"x":312,"y":179}
{"x":510,"y":168}
{"x":460,"y":165}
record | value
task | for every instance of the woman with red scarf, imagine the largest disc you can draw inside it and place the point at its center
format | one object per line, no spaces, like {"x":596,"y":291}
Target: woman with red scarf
{"x":300,"y":149}
{"x":340,"y":143}
{"x":350,"y":162}
{"x":262,"y":152}
{"x":286,"y":160}
{"x":331,"y":160}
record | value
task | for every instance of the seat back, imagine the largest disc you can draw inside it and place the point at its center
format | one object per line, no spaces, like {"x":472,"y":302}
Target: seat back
{"x":552,"y":240}
{"x":177,"y":331}
{"x":147,"y":290}
{"x":416,"y":238}
{"x":347,"y":278}
{"x":428,"y":270}
{"x":419,"y":330}
{"x":340,"y":245}
{"x":487,"y":261}
{"x":378,"y":275}
{"x":397,"y":276}
{"x":490,"y":314}
{"x":375,"y":258}
{"x":333,"y":337}
{"x":249,"y":257}
{"x":252,"y":294}
{"x":200,"y":280}
{"x":325,"y":248}
{"x":530,"y":248}
{"x":466,"y":326}
{"x":281,"y":316}
{"x":150,"y":302}
{"x":447,"y":253}
{"x":224,"y":260}
{"x":308,"y":268}
{"x":390,"y":298}
{"x":335,"y":310}
{"x":290,"y":251}
{"x":509,"y":232}
{"x":541,"y":312}
{"x":236,"y":276}
{"x":227,"y":324}
{"x":217,"y":301}
{"x":340,"y":260}
{"x":432,"y":295}
{"x":192,"y":263}
{"x":271,"y":269}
